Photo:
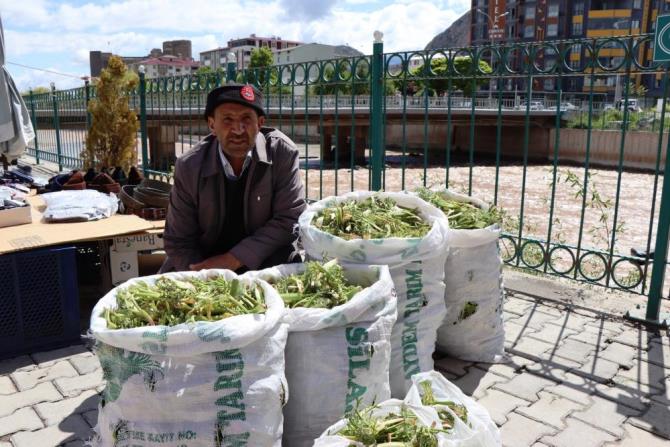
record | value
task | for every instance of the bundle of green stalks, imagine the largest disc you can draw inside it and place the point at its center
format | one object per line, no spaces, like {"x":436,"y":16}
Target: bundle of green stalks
{"x":428,"y":399}
{"x":170,"y":302}
{"x":461,"y":215}
{"x":372,"y":218}
{"x":319,"y":286}
{"x":392,"y":430}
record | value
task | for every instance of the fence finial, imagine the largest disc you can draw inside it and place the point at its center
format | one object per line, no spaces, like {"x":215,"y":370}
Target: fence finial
{"x":379,"y":36}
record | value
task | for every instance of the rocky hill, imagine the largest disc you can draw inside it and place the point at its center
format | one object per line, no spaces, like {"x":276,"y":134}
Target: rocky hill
{"x":457,"y":35}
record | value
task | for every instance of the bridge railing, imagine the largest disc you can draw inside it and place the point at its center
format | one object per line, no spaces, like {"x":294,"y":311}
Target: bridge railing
{"x":568,"y":138}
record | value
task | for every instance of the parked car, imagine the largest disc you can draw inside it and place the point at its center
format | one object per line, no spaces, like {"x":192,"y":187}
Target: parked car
{"x":534,"y":105}
{"x":568,"y":107}
{"x":631,"y":104}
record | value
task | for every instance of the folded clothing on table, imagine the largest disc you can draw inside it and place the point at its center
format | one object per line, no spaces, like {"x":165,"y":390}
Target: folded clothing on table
{"x":79,"y":205}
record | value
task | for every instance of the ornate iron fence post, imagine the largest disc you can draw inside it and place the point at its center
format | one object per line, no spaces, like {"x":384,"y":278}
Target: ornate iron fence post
{"x":34,"y":118}
{"x":377,"y":112}
{"x":56,"y":121}
{"x":143,"y":120}
{"x":87,"y":96}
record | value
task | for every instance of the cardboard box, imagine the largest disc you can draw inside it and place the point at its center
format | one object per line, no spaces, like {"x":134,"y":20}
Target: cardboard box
{"x":15,"y":216}
{"x":150,"y":240}
{"x":125,"y":265}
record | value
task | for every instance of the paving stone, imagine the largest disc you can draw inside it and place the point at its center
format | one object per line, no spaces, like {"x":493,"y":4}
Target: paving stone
{"x":636,"y":337}
{"x":604,"y":325}
{"x":577,"y":433}
{"x":91,"y":417}
{"x":23,"y":419}
{"x":571,"y":320}
{"x":554,"y":368}
{"x":636,"y":437}
{"x":54,"y":412}
{"x":85,"y":364}
{"x":552,"y":334}
{"x":21,"y":363}
{"x":656,"y":420}
{"x":509,"y":369}
{"x":48,"y":358}
{"x":590,"y":335}
{"x":28,"y":379}
{"x":624,"y":395}
{"x":74,"y":428}
{"x":521,"y":431}
{"x":454,"y":366}
{"x":6,"y":385}
{"x":550,"y":409}
{"x":72,"y":386}
{"x":574,"y":350}
{"x":516,"y":306}
{"x":646,"y":374}
{"x":525,"y":386}
{"x":531,"y":348}
{"x":575,"y":388}
{"x":598,"y":369}
{"x":619,"y":353}
{"x":658,"y":354}
{"x":477,"y":382}
{"x":500,"y":404}
{"x":515,"y":333}
{"x":606,"y":415}
{"x":44,"y":392}
{"x":536,"y":319}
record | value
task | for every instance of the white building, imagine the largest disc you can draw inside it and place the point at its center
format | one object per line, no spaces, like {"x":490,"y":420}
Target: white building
{"x":243,"y":47}
{"x":313,"y":52}
{"x":166,"y":65}
{"x":216,"y":58}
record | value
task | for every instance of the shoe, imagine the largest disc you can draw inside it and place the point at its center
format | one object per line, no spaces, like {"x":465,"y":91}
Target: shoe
{"x":134,"y":176}
{"x":76,"y":181}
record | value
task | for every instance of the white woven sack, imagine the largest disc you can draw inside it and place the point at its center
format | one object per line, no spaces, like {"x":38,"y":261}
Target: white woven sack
{"x":336,"y":357}
{"x":480,"y":430}
{"x":425,"y":415}
{"x":473,"y":273}
{"x":193,"y":384}
{"x":417,"y":270}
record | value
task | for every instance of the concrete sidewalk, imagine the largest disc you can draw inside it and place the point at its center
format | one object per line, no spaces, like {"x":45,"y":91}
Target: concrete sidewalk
{"x":575,"y":378}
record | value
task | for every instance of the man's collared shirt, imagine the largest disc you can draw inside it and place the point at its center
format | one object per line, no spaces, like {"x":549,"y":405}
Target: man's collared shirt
{"x":228,"y":168}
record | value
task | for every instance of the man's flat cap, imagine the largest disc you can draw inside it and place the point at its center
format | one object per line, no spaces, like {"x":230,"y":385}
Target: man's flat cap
{"x":244,"y":94}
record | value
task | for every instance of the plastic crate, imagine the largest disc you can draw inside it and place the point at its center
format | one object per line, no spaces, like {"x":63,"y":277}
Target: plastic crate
{"x":39,"y":300}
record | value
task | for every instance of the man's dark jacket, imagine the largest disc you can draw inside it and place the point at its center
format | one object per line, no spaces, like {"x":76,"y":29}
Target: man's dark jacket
{"x":273,"y":201}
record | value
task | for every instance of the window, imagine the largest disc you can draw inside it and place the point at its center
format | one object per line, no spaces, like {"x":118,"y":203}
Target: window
{"x":552,"y":30}
{"x":530,"y":12}
{"x":637,"y":4}
{"x":635,"y":24}
{"x":553,"y":10}
{"x":578,"y":9}
{"x":528,"y":31}
{"x":577,"y":29}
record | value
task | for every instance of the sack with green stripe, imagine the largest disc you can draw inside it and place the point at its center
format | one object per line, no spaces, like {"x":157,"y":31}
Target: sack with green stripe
{"x":198,"y":383}
{"x":405,"y":233}
{"x":338,"y":356}
{"x":473,"y":329}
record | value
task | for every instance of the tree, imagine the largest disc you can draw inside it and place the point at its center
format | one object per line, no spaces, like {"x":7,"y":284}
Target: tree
{"x":111,"y":139}
{"x":36,"y":91}
{"x":437,"y":82}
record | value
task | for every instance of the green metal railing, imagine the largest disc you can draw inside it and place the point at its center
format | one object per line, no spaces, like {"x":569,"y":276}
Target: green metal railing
{"x":529,"y":127}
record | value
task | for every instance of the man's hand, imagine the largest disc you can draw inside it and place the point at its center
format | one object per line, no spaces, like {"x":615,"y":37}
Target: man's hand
{"x":224,"y":261}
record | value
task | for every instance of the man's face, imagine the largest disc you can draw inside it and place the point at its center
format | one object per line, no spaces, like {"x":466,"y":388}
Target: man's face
{"x":236,"y":127}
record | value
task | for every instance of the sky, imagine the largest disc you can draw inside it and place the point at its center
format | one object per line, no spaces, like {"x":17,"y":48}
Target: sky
{"x":58,"y":35}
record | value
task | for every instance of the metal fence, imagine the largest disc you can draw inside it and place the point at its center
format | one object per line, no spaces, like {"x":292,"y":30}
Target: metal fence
{"x":532,"y":128}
